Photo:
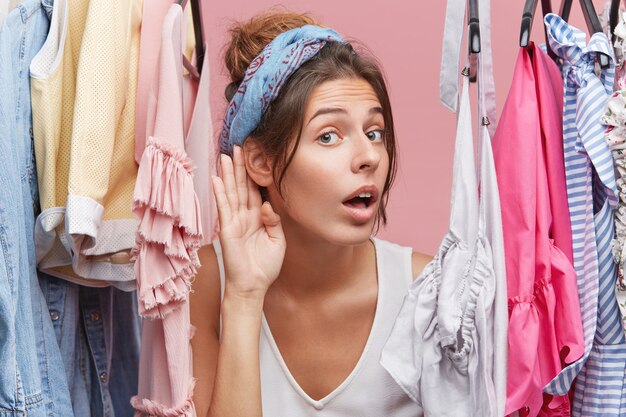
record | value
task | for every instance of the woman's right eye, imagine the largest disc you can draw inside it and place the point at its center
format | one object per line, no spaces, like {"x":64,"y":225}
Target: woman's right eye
{"x":328,"y":138}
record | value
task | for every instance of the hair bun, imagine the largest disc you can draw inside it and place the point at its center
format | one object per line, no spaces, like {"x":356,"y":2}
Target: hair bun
{"x":249,"y":38}
{"x":230,"y":90}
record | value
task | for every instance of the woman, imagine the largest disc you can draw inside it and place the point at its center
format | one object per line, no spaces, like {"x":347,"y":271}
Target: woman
{"x":295,"y":301}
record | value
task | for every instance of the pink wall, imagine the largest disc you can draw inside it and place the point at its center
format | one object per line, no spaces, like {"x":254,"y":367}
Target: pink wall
{"x":406,"y":38}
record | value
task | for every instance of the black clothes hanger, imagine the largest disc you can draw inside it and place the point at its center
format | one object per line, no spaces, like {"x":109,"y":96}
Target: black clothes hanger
{"x":474,"y":27}
{"x":527,"y":23}
{"x":591,"y":19}
{"x":473,"y":40}
{"x":196,"y":14}
{"x":614,"y":17}
{"x":565,"y":9}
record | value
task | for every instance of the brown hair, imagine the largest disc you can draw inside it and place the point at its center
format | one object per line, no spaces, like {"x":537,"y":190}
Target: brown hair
{"x":334,"y":61}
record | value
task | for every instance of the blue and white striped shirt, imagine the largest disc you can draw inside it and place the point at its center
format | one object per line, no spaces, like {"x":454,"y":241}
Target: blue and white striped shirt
{"x":592,"y":198}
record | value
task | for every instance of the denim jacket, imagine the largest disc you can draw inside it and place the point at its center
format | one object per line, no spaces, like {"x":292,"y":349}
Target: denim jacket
{"x":32,"y":381}
{"x":98,"y":331}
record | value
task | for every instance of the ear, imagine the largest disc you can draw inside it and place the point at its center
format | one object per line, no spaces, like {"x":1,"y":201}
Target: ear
{"x":258,"y":164}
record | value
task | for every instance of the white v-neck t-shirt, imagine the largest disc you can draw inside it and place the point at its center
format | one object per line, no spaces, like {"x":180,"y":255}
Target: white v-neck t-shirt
{"x":369,"y":391}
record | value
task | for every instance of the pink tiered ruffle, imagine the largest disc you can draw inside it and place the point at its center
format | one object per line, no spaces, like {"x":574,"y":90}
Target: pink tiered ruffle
{"x":169,"y":233}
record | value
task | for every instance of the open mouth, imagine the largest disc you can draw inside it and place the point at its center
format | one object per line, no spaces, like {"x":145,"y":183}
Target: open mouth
{"x":361,"y":204}
{"x":363,"y":200}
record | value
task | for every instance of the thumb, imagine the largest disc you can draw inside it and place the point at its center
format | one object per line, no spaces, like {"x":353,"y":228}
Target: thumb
{"x":271,"y":221}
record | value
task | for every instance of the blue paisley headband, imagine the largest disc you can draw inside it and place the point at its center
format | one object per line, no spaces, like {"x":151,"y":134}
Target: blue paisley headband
{"x":264,"y":78}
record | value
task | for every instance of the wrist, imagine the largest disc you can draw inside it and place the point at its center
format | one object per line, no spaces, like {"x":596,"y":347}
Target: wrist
{"x":247,"y":302}
{"x":245,"y":290}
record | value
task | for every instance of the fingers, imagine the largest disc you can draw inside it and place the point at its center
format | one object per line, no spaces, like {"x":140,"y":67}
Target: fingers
{"x":230,"y":187}
{"x":241,"y":177}
{"x":254,"y":196}
{"x":223,"y":207}
{"x":271,"y":221}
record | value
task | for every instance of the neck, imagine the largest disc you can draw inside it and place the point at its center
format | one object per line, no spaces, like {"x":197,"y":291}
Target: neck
{"x":313,"y":266}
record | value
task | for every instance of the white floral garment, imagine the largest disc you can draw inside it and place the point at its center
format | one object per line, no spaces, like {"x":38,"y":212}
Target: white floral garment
{"x":615,"y":119}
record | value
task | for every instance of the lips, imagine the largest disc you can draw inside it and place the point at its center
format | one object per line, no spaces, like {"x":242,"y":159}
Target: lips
{"x":361,"y":203}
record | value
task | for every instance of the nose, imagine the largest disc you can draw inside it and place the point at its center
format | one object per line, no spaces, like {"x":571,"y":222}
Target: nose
{"x":367,"y":154}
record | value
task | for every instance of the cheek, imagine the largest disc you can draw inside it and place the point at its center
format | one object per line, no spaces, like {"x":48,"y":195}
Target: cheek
{"x":308,"y":181}
{"x":311,"y":181}
{"x":383,"y":164}
{"x":384,"y":157}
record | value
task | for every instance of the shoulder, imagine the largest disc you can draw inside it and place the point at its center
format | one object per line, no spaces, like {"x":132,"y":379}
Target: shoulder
{"x":419,"y":261}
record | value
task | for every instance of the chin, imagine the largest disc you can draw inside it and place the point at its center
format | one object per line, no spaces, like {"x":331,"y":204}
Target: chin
{"x":336,"y":230}
{"x":350,"y":235}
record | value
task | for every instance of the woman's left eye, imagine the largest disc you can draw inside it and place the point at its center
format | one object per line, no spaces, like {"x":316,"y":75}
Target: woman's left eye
{"x":375,"y":135}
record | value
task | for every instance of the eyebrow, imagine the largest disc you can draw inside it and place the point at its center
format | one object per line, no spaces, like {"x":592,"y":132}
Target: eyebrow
{"x":330,"y":110}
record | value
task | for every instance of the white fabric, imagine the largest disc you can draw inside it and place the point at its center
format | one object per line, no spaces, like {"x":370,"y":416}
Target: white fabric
{"x":450,"y":54}
{"x":499,"y":315}
{"x":486,"y":84}
{"x":441,"y":348}
{"x":450,"y":58}
{"x":369,"y":391}
{"x":448,"y":346}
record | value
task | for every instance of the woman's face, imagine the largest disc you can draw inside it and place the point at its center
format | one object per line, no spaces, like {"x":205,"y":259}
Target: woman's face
{"x":333,"y":186}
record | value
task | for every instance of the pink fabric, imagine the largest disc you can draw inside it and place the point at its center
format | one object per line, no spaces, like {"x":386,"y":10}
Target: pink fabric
{"x":201,"y":147}
{"x":160,"y":395}
{"x":164,"y":199}
{"x":197,"y":123}
{"x":190,"y":96}
{"x":154,"y":12}
{"x":545,"y":327}
{"x":168,"y":238}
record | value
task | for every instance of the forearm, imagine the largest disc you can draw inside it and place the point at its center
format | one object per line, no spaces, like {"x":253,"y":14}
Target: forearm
{"x":237,"y":389}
